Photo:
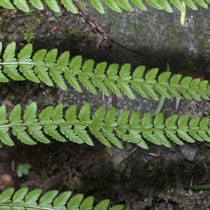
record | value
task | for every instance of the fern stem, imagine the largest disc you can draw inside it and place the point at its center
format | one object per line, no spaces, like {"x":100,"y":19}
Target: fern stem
{"x":106,"y":128}
{"x":46,"y":67}
{"x":12,"y":205}
{"x":11,"y":125}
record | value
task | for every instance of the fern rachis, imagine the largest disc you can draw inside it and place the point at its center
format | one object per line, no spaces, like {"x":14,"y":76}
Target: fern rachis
{"x":45,"y":67}
{"x":106,"y":128}
{"x":52,"y":200}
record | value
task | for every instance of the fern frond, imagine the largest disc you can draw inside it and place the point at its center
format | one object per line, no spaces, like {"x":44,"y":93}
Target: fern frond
{"x":45,"y":67}
{"x":52,"y":200}
{"x":115,"y":5}
{"x":107,"y":128}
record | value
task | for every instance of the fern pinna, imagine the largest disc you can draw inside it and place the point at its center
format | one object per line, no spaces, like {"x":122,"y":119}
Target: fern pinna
{"x":45,"y":67}
{"x":106,"y":128}
{"x":52,"y":200}
{"x":115,"y":5}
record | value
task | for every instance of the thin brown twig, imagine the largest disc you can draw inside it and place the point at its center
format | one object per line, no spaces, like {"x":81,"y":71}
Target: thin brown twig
{"x":98,"y":28}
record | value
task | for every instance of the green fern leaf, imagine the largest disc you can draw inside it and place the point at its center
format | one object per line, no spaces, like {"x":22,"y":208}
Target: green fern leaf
{"x":30,"y":113}
{"x":53,"y":5}
{"x":107,"y":129}
{"x":185,"y":85}
{"x":158,"y":131}
{"x":98,"y":116}
{"x":68,"y":4}
{"x":110,"y":118}
{"x":178,"y":5}
{"x":84,"y":79}
{"x":87,"y":204}
{"x":26,"y":69}
{"x":21,"y":134}
{"x":204,"y":129}
{"x":72,"y":80}
{"x":124,"y":4}
{"x":112,"y":5}
{"x":63,"y":60}
{"x":46,"y":67}
{"x":6,"y":4}
{"x":37,"y":4}
{"x":170,"y":129}
{"x":75,"y":66}
{"x":202,"y":3}
{"x":191,"y":4}
{"x":4,"y":136}
{"x":165,"y":5}
{"x":15,"y":115}
{"x":3,"y":79}
{"x":149,"y":82}
{"x":194,"y":86}
{"x":57,"y":114}
{"x":32,"y":197}
{"x":117,"y":207}
{"x":139,"y":4}
{"x":111,"y":137}
{"x":6,"y":195}
{"x":61,"y":200}
{"x":162,"y":84}
{"x":193,"y":131}
{"x":123,"y":83}
{"x":182,"y":129}
{"x":137,"y":80}
{"x":97,"y":80}
{"x":113,"y":87}
{"x":36,"y":133}
{"x":70,"y":115}
{"x":102,"y":205}
{"x":19,"y":195}
{"x":40,"y":69}
{"x":97,"y":4}
{"x":69,"y":134}
{"x":123,"y":119}
{"x":22,"y":5}
{"x":47,"y":198}
{"x":74,"y":203}
{"x":45,"y":115}
{"x":203,"y":89}
{"x":3,"y":114}
{"x":22,"y":199}
{"x":9,"y":56}
{"x":95,"y":131}
{"x":174,"y":85}
{"x":84,"y":114}
{"x":79,"y":130}
{"x":154,"y":3}
{"x":51,"y":131}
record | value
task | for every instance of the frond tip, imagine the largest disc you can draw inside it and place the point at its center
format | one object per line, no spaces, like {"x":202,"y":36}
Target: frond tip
{"x":115,"y":5}
{"x":45,"y":67}
{"x":52,"y":200}
{"x":107,"y":128}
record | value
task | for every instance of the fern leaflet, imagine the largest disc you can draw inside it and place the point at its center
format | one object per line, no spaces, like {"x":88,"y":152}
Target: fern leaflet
{"x":52,"y":200}
{"x":108,"y":129}
{"x":45,"y":67}
{"x":115,"y":5}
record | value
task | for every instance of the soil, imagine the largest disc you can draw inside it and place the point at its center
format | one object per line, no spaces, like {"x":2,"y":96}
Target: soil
{"x":139,"y":179}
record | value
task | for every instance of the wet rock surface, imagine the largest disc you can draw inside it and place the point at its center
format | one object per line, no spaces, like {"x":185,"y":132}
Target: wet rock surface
{"x":140,"y":179}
